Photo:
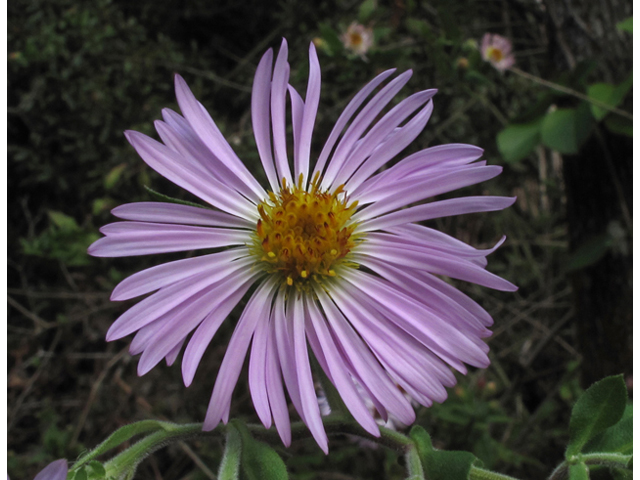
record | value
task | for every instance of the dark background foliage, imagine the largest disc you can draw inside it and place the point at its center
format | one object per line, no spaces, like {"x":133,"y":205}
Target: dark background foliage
{"x":80,"y":73}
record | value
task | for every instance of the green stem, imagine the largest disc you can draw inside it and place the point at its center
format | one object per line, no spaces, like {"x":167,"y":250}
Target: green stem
{"x":414,"y":464}
{"x":610,"y":459}
{"x":335,"y":425}
{"x":570,"y":91}
{"x":477,"y":473}
{"x":128,"y":460}
{"x":230,"y":465}
{"x":604,"y":459}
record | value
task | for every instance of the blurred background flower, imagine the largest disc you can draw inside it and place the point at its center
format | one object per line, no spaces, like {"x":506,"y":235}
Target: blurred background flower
{"x":497,"y":50}
{"x":358,"y":39}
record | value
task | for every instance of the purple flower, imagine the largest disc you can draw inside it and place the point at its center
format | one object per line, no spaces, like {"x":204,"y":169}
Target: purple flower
{"x":331,"y":250}
{"x":496,"y":50}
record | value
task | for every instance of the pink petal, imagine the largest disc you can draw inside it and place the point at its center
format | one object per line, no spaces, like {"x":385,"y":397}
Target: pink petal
{"x":339,"y":375}
{"x":360,"y":124}
{"x":277,"y":400}
{"x":158,"y":212}
{"x":210,"y":135}
{"x":278,"y":116}
{"x":439,"y":209}
{"x":346,"y":115}
{"x":234,"y":357}
{"x":312,"y":98}
{"x":308,"y":397}
{"x":125,"y":239}
{"x":172,"y":166}
{"x":261,"y":118}
{"x":145,"y":281}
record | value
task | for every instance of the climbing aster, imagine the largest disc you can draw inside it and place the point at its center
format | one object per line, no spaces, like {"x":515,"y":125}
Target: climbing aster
{"x":331,"y":252}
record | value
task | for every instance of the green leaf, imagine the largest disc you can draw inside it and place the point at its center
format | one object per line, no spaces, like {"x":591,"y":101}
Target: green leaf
{"x":113,"y":176}
{"x":380,"y":33}
{"x":579,"y":471}
{"x":625,"y":25}
{"x":590,"y":252}
{"x":604,"y":93}
{"x":619,"y":125}
{"x":609,"y":94}
{"x":230,"y":465}
{"x":565,"y":129}
{"x":62,"y":221}
{"x":120,"y":436}
{"x":165,"y":198}
{"x":517,"y":141}
{"x":97,"y":469}
{"x":600,"y":407}
{"x":259,"y":460}
{"x":439,"y":464}
{"x":330,"y":36}
{"x":615,"y":439}
{"x":80,"y":475}
{"x":366,"y":10}
{"x":419,"y":27}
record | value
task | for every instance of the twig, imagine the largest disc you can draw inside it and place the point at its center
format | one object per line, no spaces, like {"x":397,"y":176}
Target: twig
{"x":93,"y":394}
{"x":41,"y":324}
{"x":13,"y":416}
{"x":570,"y":91}
{"x":63,"y":295}
{"x":197,"y":460}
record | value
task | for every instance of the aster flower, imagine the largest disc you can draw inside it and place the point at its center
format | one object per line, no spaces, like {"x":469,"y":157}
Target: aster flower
{"x":334,"y":258}
{"x":358,"y":39}
{"x":497,"y":50}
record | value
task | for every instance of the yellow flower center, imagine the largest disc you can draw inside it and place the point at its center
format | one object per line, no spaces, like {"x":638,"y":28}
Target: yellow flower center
{"x":304,"y":235}
{"x":495,"y":54}
{"x":355,"y":39}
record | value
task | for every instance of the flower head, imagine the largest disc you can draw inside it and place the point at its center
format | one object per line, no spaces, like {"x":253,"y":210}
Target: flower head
{"x":358,"y":39}
{"x":496,"y":50}
{"x":330,"y":252}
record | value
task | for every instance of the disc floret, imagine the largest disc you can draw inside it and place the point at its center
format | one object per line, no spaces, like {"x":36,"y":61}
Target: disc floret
{"x":304,"y":234}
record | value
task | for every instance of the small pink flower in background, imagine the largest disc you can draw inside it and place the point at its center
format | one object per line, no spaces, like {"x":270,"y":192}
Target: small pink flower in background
{"x":358,"y":39}
{"x":496,"y":50}
{"x":328,"y":254}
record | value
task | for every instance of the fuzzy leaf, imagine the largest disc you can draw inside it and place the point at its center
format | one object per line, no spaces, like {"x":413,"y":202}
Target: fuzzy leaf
{"x":440,"y":464}
{"x":120,"y":436}
{"x":615,"y":439}
{"x":579,"y":471}
{"x":600,"y":407}
{"x":259,"y":460}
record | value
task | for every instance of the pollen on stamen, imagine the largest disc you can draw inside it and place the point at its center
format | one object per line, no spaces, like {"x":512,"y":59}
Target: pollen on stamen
{"x":304,"y":233}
